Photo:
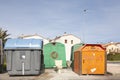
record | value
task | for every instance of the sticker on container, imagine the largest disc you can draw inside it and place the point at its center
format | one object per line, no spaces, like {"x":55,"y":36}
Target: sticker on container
{"x":93,"y":70}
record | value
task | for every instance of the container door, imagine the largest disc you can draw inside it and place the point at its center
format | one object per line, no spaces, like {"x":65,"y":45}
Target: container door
{"x":86,"y":62}
{"x":89,"y":62}
{"x":93,"y":62}
{"x":100,"y":62}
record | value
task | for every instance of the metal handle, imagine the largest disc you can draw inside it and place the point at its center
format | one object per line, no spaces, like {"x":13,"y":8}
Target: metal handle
{"x":83,"y":61}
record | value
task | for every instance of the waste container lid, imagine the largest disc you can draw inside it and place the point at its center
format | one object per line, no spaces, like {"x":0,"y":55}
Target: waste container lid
{"x":24,"y":43}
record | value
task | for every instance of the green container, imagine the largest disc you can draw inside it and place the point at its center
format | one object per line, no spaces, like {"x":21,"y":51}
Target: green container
{"x":74,"y":48}
{"x":54,"y":51}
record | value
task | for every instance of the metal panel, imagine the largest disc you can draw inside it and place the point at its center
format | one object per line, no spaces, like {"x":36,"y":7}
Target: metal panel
{"x":9,"y":56}
{"x":37,"y":59}
{"x":77,"y":62}
{"x":93,"y":63}
{"x":27,"y":60}
{"x":17,"y":60}
{"x":22,"y":57}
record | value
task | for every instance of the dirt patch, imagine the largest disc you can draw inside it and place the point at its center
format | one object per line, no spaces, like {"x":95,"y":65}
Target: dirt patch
{"x":44,"y":76}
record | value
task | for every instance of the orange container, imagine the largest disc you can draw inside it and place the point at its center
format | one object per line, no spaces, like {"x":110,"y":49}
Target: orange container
{"x":90,"y":59}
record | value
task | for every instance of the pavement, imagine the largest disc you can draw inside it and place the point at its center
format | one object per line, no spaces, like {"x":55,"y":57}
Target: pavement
{"x":113,"y":68}
{"x":67,"y":74}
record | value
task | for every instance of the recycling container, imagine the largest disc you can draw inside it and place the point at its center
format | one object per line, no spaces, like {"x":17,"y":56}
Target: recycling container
{"x":90,"y":59}
{"x":54,"y":51}
{"x":24,"y":56}
{"x":73,"y":49}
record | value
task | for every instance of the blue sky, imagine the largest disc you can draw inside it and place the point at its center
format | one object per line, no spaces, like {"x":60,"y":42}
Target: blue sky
{"x":94,"y":21}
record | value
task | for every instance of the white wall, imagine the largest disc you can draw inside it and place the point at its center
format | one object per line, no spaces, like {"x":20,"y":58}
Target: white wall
{"x":45,"y":41}
{"x":118,"y":45}
{"x":68,"y":45}
{"x":111,"y":48}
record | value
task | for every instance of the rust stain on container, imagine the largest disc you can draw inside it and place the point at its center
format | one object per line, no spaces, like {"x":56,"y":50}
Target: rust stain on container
{"x":90,"y":59}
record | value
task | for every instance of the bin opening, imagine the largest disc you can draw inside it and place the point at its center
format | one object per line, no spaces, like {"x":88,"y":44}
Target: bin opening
{"x":53,"y":43}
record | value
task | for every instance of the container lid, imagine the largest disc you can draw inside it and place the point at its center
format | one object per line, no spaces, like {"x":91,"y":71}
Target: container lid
{"x":88,"y":47}
{"x":23,"y":43}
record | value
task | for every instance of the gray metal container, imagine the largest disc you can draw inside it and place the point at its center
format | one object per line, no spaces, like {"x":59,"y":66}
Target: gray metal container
{"x":24,"y":56}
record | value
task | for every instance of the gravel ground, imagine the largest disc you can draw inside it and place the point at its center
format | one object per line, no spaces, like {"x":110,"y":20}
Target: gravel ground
{"x":68,"y":74}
